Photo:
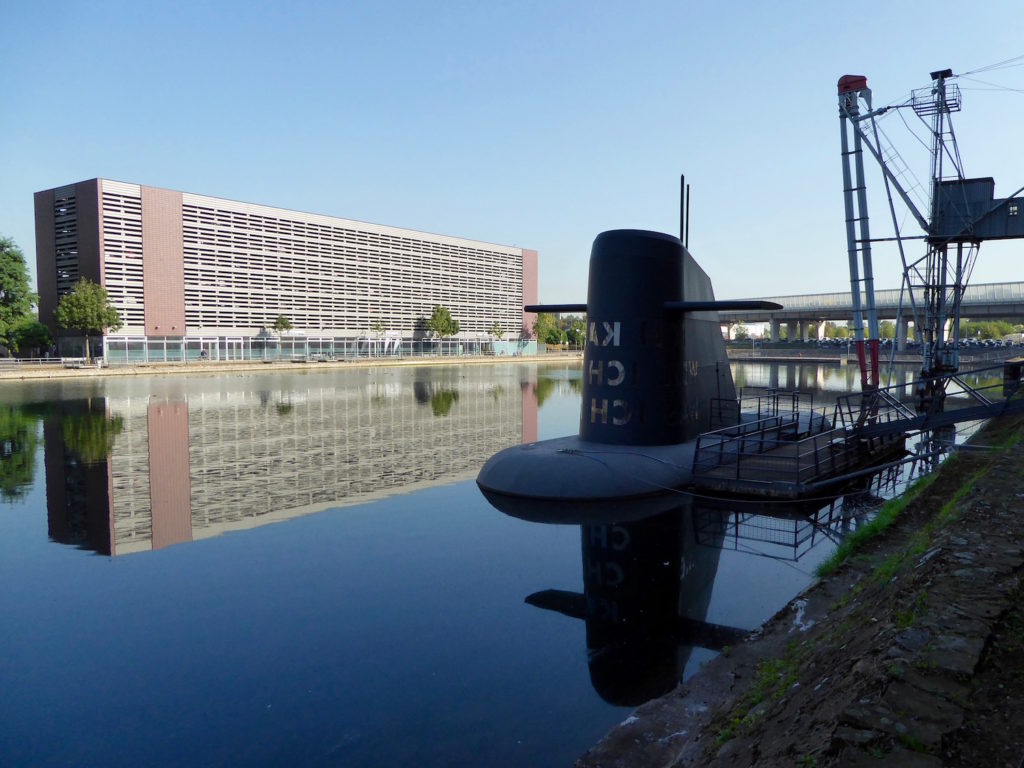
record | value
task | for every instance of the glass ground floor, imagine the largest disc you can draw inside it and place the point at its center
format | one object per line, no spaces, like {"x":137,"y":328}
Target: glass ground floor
{"x":126,"y":350}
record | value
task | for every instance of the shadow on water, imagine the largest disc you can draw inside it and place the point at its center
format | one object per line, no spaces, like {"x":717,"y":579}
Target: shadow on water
{"x":648,"y":583}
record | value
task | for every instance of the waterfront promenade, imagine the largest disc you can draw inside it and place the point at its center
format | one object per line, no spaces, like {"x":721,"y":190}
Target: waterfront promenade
{"x":56,"y":370}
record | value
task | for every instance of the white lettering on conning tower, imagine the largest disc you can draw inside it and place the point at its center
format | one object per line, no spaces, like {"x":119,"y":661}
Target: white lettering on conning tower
{"x":620,"y":411}
{"x":596,"y":373}
{"x":612,"y":333}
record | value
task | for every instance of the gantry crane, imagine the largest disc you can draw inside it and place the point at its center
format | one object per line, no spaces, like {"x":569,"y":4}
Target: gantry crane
{"x":962,"y":213}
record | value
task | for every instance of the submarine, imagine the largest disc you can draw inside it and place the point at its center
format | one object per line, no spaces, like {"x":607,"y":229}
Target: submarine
{"x":653,"y":363}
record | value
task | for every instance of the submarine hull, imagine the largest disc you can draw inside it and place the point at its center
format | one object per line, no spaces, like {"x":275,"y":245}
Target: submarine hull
{"x":557,"y":480}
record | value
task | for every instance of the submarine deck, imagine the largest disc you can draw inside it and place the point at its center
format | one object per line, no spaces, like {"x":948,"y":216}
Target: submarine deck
{"x":791,"y":470}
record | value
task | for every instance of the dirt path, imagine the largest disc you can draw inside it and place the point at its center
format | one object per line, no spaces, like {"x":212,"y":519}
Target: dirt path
{"x":911,"y":654}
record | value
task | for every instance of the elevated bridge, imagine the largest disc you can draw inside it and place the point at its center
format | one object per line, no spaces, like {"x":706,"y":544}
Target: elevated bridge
{"x":805,"y":314}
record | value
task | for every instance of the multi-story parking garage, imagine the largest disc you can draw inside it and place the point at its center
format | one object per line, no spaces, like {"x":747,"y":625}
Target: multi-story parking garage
{"x":196,"y":276}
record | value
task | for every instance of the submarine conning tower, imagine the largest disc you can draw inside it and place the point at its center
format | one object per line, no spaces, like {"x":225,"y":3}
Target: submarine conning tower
{"x":653,"y":361}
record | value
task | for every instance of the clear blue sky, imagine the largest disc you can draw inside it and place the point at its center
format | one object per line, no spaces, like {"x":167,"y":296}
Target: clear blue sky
{"x":537,"y":124}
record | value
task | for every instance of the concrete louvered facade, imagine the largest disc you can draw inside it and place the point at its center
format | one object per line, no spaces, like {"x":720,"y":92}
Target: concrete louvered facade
{"x":190,"y":274}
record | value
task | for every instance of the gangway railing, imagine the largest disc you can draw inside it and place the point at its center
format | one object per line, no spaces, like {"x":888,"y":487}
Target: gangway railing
{"x":760,"y":404}
{"x":868,"y":413}
{"x":784,"y":451}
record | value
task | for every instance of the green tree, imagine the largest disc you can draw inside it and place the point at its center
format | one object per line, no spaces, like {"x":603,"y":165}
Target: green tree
{"x":886,"y":330}
{"x":543,"y":325}
{"x":281,"y":325}
{"x":985,"y":329}
{"x":546,"y":329}
{"x":16,"y":300}
{"x":442,"y":323}
{"x":496,"y":330}
{"x":740,"y":332}
{"x":30,"y":336}
{"x":577,"y":331}
{"x":87,"y":309}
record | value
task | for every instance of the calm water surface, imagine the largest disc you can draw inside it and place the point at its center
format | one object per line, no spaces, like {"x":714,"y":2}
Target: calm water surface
{"x":299,"y":569}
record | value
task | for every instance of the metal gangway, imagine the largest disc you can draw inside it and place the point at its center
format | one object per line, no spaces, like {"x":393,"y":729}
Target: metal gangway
{"x":783,"y":449}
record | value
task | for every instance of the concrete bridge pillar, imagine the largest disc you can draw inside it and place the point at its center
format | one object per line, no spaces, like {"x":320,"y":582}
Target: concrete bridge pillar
{"x":902,"y":328}
{"x":791,"y":331}
{"x":776,"y":328}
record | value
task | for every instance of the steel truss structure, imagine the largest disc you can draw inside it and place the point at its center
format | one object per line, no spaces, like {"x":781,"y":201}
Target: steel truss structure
{"x":962,"y":213}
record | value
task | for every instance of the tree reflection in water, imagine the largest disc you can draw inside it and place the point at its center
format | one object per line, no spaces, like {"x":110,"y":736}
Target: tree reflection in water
{"x":441,"y":402}
{"x":19,"y":438}
{"x":549,"y":385}
{"x":90,"y":433}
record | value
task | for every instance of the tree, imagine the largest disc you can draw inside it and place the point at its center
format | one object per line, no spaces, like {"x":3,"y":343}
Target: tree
{"x":442,"y":323}
{"x":29,"y":335}
{"x":886,"y":330}
{"x":836,"y":331}
{"x":16,"y":300}
{"x":577,"y":331}
{"x":87,"y":309}
{"x":281,"y":325}
{"x":546,"y":329}
{"x":740,"y":332}
{"x":496,"y":330}
{"x":985,"y":329}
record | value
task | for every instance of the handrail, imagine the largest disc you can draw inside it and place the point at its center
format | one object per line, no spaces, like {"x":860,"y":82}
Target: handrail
{"x":17,"y":362}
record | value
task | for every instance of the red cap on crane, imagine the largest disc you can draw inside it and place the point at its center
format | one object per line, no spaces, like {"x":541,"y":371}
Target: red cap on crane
{"x":849,"y":83}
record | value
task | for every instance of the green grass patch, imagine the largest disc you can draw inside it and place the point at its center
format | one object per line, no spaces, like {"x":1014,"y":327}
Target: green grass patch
{"x":913,"y":743}
{"x":886,"y":517}
{"x":772,"y":678}
{"x":921,"y":540}
{"x":906,"y":617}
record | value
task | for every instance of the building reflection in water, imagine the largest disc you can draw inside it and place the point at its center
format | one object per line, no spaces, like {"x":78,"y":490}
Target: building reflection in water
{"x":150,"y":473}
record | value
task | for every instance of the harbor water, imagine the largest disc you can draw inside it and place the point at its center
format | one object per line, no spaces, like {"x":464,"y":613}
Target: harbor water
{"x":294,"y":568}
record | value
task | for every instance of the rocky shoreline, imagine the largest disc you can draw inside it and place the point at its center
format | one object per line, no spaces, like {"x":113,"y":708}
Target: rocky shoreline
{"x":910,"y":654}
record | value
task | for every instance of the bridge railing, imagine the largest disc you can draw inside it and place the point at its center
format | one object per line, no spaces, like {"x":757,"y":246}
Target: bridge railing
{"x":888,"y":299}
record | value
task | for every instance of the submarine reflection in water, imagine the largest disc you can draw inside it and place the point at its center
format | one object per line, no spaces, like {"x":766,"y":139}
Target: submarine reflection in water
{"x":648,"y":582}
{"x":646,"y":590}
